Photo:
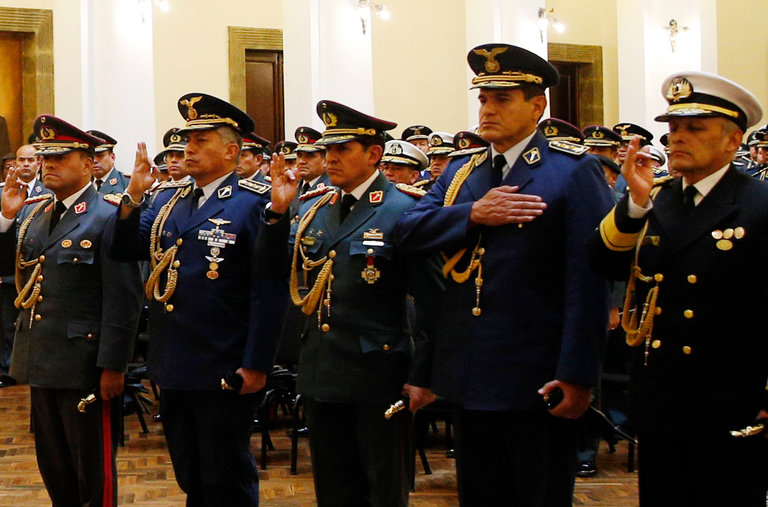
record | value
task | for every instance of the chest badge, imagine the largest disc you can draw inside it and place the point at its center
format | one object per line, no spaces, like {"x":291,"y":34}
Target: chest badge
{"x":724,"y":237}
{"x":86,"y":243}
{"x":66,"y":243}
{"x":217,"y":237}
{"x":370,"y":274}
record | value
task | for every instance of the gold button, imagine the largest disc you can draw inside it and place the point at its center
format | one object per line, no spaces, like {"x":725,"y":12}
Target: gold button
{"x":658,"y":310}
{"x":738,"y":232}
{"x":717,"y":234}
{"x":692,"y":279}
{"x":38,"y":317}
{"x":39,"y":299}
{"x":179,"y":242}
{"x":42,"y":258}
{"x":326,"y":302}
{"x":168,"y":308}
{"x":385,"y":347}
{"x":40,"y":278}
{"x":658,"y":277}
{"x":176,"y":264}
{"x":332,"y":254}
{"x":656,"y":344}
{"x":481,"y":251}
{"x":74,"y":260}
{"x":370,"y":251}
{"x":90,"y":336}
{"x":325,"y":328}
{"x":728,"y":234}
{"x":688,"y":314}
{"x":687,"y":350}
{"x":332,"y":277}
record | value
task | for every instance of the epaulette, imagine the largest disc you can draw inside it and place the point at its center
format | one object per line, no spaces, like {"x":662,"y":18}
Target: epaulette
{"x":421,"y":183}
{"x":568,"y":147}
{"x":662,"y":180}
{"x":268,"y":179}
{"x":113,"y":198}
{"x":411,"y":190}
{"x":254,"y":186}
{"x":37,"y":198}
{"x":314,"y":193}
{"x":173,"y":184}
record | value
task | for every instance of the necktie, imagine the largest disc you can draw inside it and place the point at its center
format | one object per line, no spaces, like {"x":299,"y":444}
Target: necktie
{"x":347,"y":202}
{"x":688,"y":194}
{"x":496,"y":173}
{"x":304,"y":188}
{"x":58,"y":210}
{"x":196,"y":195}
{"x":98,"y":184}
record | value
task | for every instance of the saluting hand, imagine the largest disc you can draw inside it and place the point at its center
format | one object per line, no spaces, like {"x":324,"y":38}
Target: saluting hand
{"x":638,"y":173}
{"x":144,"y":174}
{"x":14,"y":195}
{"x":284,"y":183}
{"x":503,"y":205}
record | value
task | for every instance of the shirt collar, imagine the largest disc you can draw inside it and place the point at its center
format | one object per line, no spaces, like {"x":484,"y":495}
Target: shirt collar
{"x":706,"y":184}
{"x":361,"y":188}
{"x":210,"y":188}
{"x":512,"y":154}
{"x":69,"y":201}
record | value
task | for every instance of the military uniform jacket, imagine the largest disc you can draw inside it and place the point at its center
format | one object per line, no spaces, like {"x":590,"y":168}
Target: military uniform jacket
{"x":322,"y":181}
{"x":115,"y":182}
{"x":706,"y":369}
{"x":544,"y":312}
{"x":365,"y":355}
{"x":213,"y":322}
{"x":86,"y":315}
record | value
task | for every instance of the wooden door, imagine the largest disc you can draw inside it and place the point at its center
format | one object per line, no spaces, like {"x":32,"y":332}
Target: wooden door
{"x":264,"y":92}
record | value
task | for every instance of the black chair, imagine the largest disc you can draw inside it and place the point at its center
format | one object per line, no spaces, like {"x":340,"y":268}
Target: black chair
{"x":423,"y":420}
{"x":280,"y":395}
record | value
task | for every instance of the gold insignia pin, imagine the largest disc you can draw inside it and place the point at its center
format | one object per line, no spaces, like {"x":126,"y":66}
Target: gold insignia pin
{"x":86,"y":243}
{"x":597,"y":134}
{"x":218,"y":222}
{"x":373,"y":234}
{"x":303,"y":139}
{"x":175,"y":138}
{"x":212,"y":275}
{"x":190,"y":103}
{"x":724,"y":244}
{"x":739,"y":232}
{"x":395,"y":149}
{"x":550,"y":131}
{"x":728,"y":233}
{"x":679,"y":88}
{"x":436,"y":141}
{"x":532,"y":156}
{"x":717,"y":234}
{"x":225,"y":192}
{"x":464,"y":143}
{"x":47,"y":133}
{"x":491,"y":64}
{"x":330,"y":119}
{"x":66,"y":243}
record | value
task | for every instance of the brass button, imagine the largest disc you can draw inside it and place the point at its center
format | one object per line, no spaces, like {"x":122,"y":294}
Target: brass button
{"x":325,"y":328}
{"x":658,"y":310}
{"x":656,"y":344}
{"x":481,"y":251}
{"x":688,"y":314}
{"x":168,"y":308}
{"x":179,"y":242}
{"x":385,"y":347}
{"x":658,"y":277}
{"x":39,"y":299}
{"x":332,"y":277}
{"x":40,"y":278}
{"x":176,"y":264}
{"x":332,"y":254}
{"x":692,"y":279}
{"x":42,"y":258}
{"x":687,"y":350}
{"x":74,"y":260}
{"x":90,"y":336}
{"x":38,"y":317}
{"x":370,"y":251}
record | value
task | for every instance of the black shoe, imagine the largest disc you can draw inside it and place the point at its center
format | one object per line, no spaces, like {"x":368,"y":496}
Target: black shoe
{"x":586,"y":469}
{"x":6,"y":381}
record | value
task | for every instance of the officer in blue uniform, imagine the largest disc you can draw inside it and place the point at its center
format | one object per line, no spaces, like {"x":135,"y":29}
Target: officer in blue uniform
{"x":79,"y":312}
{"x":252,"y":156}
{"x":357,"y":355}
{"x":699,"y":368}
{"x":555,"y":129}
{"x":218,"y":289}
{"x":106,"y":178}
{"x":522,"y":312}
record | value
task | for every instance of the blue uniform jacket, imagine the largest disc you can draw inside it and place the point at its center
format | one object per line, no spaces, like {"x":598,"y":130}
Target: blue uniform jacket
{"x":115,"y":182}
{"x":366,"y":355}
{"x":87,"y":313}
{"x":544,"y":312}
{"x":211,"y":325}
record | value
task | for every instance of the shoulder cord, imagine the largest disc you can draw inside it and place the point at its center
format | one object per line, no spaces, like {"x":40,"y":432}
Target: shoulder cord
{"x":449,"y":268}
{"x":638,"y":326}
{"x":29,"y":294}
{"x":163,"y":261}
{"x":309,"y":302}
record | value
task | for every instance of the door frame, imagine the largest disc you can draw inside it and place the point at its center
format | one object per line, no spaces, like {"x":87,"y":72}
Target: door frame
{"x":590,"y":77}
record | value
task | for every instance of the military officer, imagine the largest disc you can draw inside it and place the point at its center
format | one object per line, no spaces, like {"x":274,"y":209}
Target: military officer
{"x":555,"y":129}
{"x":252,"y":156}
{"x":440,"y":146}
{"x":602,"y":141}
{"x":417,"y":135}
{"x":310,"y":164}
{"x":522,"y":313}
{"x":627,"y":131}
{"x":356,"y":355}
{"x":78,"y":317}
{"x":218,"y":290}
{"x":468,"y":143}
{"x":173,"y":154}
{"x":402,"y":162}
{"x":699,"y":368}
{"x":288,"y":150}
{"x":106,"y":178}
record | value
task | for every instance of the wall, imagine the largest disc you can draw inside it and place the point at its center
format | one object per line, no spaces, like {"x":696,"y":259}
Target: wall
{"x":419,"y":65}
{"x":593,"y":22}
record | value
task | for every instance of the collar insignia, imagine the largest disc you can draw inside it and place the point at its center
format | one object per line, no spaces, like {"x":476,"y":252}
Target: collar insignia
{"x":532,"y":156}
{"x":81,"y":207}
{"x":376,"y":197}
{"x":113,"y":181}
{"x":225,"y":192}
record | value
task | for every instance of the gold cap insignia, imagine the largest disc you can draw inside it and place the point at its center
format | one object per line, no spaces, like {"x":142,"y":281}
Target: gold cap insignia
{"x":330,"y":119}
{"x":285,"y":150}
{"x":550,"y":131}
{"x":395,"y":149}
{"x":303,"y":138}
{"x":191,"y":112}
{"x":679,"y":88}
{"x":464,"y":143}
{"x":47,"y":133}
{"x":175,"y":138}
{"x":598,"y":134}
{"x":491,"y":65}
{"x":436,"y":141}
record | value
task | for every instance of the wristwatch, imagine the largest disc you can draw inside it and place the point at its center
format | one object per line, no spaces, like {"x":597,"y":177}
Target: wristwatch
{"x":128,"y":201}
{"x":271,"y":215}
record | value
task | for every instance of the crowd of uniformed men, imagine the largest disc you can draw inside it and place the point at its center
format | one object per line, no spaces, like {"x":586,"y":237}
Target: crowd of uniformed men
{"x":471,"y":267}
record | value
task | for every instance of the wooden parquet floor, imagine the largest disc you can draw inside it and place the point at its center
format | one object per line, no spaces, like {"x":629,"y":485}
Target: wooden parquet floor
{"x":146,"y":476}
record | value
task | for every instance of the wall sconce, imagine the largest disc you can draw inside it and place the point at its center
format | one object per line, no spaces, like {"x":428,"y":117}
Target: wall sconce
{"x":547,"y":17}
{"x":674,"y":30}
{"x":368,"y":7}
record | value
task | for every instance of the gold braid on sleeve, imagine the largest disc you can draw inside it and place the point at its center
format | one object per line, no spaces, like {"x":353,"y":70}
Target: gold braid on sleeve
{"x":163,"y":261}
{"x":29,"y":292}
{"x":449,"y":268}
{"x":309,"y":302}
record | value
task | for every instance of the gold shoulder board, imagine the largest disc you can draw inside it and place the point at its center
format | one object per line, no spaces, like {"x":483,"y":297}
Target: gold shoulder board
{"x":254,"y":186}
{"x":38,"y":198}
{"x":173,"y":184}
{"x":113,"y":198}
{"x":662,"y":180}
{"x":568,"y":147}
{"x":411,"y":190}
{"x":314,"y":193}
{"x":421,"y":183}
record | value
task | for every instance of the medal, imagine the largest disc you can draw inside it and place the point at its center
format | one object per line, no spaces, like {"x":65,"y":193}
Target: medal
{"x":370,"y":274}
